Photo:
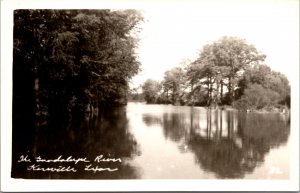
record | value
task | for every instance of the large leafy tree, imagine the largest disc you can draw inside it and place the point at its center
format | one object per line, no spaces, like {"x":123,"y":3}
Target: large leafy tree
{"x":72,"y":60}
{"x":221,"y":63}
{"x":261,"y":87}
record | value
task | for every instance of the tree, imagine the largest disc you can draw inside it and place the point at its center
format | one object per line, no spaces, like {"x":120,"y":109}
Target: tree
{"x":151,"y":89}
{"x":72,"y":60}
{"x":173,"y":84}
{"x":280,"y":84}
{"x":222,"y":63}
{"x":257,"y":97}
{"x":255,"y":74}
{"x":263,"y":83}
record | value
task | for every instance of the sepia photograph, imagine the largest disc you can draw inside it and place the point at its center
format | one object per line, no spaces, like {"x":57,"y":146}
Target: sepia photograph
{"x":186,"y":91}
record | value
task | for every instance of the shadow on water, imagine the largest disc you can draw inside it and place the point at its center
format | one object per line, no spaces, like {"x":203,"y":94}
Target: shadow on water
{"x":227,"y":143}
{"x":149,"y":120}
{"x":107,"y":136}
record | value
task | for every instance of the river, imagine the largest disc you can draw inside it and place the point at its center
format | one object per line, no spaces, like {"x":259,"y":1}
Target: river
{"x":165,"y":142}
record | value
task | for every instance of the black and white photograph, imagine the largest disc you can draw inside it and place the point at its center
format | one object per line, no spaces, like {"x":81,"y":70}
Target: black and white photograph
{"x":183,"y":92}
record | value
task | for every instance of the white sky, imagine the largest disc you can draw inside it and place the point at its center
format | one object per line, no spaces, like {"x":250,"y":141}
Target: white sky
{"x":173,"y":32}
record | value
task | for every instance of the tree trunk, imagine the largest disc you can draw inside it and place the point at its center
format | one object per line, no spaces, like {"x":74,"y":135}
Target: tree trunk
{"x":218,"y":93}
{"x":221,"y":124}
{"x":37,"y":108}
{"x":208,"y":91}
{"x":221,"y":96}
{"x":230,"y":90}
{"x":37,"y":99}
{"x":192,"y":95}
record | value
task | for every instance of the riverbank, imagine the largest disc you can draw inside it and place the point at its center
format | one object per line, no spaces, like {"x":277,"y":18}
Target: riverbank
{"x":282,"y":109}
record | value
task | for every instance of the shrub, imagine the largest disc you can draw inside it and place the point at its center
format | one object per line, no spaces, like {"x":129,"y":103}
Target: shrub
{"x":257,"y":97}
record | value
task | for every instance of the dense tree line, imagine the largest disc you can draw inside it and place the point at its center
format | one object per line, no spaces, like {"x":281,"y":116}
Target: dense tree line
{"x":69,"y":62}
{"x":228,"y":71}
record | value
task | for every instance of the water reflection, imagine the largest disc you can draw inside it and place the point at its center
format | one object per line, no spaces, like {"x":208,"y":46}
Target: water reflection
{"x":151,"y":120}
{"x":161,"y":141}
{"x":107,"y":135}
{"x":227,"y":143}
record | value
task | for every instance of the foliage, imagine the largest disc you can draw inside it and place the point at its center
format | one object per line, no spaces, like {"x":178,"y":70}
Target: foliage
{"x":257,"y":97}
{"x":270,"y":88}
{"x":72,"y":60}
{"x":220,"y":64}
{"x":173,"y":85}
{"x":151,"y":89}
{"x":228,"y":71}
{"x":169,"y":91}
{"x":134,"y":95}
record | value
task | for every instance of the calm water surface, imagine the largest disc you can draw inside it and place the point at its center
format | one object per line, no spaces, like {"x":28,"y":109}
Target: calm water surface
{"x":167,"y":142}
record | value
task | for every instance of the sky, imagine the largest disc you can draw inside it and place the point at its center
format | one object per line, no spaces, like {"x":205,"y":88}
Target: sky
{"x":172,"y":33}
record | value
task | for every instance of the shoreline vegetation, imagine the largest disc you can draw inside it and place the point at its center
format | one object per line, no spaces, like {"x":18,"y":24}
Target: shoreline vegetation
{"x":72,"y":64}
{"x":282,"y":109}
{"x":228,"y":73}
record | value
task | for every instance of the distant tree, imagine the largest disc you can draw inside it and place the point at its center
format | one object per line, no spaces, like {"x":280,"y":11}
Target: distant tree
{"x":221,"y":63}
{"x":257,"y":97}
{"x":227,"y":72}
{"x":135,"y":95}
{"x":151,"y":89}
{"x":280,"y":84}
{"x":255,"y":74}
{"x":274,"y":83}
{"x":173,"y":84}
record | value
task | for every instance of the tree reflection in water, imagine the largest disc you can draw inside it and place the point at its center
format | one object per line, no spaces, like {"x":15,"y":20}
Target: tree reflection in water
{"x":107,"y":136}
{"x":228,"y":143}
{"x":151,"y":120}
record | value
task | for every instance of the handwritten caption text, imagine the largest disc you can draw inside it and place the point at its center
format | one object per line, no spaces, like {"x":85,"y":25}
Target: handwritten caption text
{"x":70,"y":164}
